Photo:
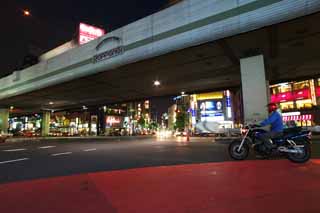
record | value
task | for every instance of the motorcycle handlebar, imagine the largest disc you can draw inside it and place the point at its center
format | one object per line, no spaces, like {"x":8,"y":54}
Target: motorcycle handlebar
{"x":251,"y":126}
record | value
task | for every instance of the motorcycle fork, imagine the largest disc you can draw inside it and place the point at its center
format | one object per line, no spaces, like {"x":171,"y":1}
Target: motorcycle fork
{"x":243,"y":140}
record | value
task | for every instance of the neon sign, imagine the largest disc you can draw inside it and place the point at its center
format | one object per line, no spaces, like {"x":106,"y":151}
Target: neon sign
{"x":113,"y":120}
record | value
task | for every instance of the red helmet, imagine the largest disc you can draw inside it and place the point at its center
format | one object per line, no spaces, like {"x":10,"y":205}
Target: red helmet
{"x":272,"y":107}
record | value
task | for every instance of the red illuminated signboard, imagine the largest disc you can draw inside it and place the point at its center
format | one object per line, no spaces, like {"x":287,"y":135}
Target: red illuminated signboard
{"x":289,"y":96}
{"x":274,"y":99}
{"x":282,"y":97}
{"x":302,"y":94}
{"x":318,"y":91}
{"x":88,"y":33}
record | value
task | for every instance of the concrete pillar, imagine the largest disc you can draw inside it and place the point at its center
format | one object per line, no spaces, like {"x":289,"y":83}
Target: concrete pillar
{"x":45,"y":125}
{"x":4,"y":121}
{"x":254,"y":89}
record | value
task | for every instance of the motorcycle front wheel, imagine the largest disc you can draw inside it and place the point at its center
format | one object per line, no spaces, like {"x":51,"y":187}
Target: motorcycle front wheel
{"x":237,"y":154}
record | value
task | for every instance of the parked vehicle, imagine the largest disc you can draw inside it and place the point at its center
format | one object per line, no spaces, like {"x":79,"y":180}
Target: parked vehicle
{"x":295,"y":144}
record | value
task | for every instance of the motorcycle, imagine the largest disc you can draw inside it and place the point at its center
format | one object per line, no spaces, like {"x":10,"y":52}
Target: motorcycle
{"x":294,"y":144}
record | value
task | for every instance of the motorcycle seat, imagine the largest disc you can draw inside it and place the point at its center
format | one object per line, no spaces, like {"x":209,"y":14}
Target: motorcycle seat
{"x":292,"y":130}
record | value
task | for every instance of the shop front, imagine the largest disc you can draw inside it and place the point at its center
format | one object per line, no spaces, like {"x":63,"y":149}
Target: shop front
{"x":69,"y":124}
{"x":114,"y":125}
{"x":26,"y":126}
{"x":298,"y":101}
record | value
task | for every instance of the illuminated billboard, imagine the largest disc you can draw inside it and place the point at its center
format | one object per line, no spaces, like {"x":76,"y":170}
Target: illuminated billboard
{"x":211,"y":110}
{"x":88,"y":33}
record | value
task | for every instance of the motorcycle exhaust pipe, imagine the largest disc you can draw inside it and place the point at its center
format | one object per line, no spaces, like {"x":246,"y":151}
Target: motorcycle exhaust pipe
{"x":285,"y":149}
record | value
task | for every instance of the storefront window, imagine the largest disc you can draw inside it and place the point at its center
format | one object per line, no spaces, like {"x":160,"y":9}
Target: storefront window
{"x":284,"y":88}
{"x":274,"y":90}
{"x":303,"y":104}
{"x":301,"y":85}
{"x":287,"y":106}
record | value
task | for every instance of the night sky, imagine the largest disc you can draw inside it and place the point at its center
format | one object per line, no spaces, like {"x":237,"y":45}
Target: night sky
{"x":55,"y":22}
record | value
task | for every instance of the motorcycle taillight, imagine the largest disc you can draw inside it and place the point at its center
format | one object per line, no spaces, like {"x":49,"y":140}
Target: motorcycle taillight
{"x":309,"y":135}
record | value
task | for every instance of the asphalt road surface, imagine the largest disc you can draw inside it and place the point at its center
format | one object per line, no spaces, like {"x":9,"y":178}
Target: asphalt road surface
{"x":25,"y":161}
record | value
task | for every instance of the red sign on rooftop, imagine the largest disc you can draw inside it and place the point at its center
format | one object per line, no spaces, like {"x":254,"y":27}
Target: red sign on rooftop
{"x":88,"y":33}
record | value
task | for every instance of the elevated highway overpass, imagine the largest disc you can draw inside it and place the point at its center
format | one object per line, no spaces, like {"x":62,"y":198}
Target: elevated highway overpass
{"x":195,"y":45}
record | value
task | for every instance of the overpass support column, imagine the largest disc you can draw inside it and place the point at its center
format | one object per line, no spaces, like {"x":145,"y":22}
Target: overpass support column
{"x":4,"y":121}
{"x":45,"y":123}
{"x":254,"y":88}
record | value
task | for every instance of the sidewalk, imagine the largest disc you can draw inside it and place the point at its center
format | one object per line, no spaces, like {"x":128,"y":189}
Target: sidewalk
{"x":40,"y":139}
{"x":247,"y":186}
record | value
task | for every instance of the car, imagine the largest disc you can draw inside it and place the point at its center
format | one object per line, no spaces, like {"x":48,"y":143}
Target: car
{"x":180,"y":133}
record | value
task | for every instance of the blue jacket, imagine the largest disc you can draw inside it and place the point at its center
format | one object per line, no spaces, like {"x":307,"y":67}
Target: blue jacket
{"x":275,"y":120}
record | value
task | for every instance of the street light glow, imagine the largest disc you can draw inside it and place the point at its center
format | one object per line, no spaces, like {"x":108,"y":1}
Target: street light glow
{"x":26,"y":12}
{"x":50,"y":103}
{"x":156,"y":83}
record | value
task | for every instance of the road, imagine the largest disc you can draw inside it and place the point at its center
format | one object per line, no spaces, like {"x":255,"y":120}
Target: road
{"x":150,"y":175}
{"x":23,"y":161}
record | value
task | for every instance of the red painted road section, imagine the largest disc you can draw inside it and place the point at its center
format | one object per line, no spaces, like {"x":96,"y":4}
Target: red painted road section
{"x":248,"y":186}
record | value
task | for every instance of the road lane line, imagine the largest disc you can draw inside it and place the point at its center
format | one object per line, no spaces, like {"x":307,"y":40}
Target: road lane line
{"x":14,"y":150}
{"x":89,"y":150}
{"x":46,"y":147}
{"x":63,"y":153}
{"x":11,"y":161}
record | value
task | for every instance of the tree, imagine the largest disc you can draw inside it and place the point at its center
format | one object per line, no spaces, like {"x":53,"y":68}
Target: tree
{"x":181,"y":118}
{"x":142,"y":122}
{"x":153,"y":125}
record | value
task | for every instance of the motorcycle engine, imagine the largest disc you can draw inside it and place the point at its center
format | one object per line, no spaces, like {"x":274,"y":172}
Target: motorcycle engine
{"x":261,"y":149}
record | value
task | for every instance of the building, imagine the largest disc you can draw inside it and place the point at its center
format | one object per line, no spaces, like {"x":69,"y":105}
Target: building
{"x":299,"y":101}
{"x":204,"y":107}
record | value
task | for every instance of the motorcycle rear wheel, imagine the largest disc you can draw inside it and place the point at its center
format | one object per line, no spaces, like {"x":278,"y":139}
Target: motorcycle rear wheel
{"x":301,"y":157}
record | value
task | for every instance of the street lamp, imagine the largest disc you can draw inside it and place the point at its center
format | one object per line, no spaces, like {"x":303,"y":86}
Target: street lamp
{"x":156,"y":83}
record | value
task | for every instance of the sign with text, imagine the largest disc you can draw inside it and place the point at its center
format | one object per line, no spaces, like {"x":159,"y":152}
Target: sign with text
{"x":88,"y":33}
{"x":108,"y":54}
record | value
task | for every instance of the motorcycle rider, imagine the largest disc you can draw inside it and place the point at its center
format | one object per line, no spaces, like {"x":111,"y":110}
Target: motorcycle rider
{"x":275,"y":120}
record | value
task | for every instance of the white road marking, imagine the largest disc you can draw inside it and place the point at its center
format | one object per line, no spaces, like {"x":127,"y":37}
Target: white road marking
{"x":89,"y":150}
{"x":63,"y":153}
{"x":46,"y":147}
{"x":11,"y":161}
{"x":14,"y":150}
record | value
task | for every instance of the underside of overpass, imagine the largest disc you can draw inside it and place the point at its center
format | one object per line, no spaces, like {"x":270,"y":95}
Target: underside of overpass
{"x":290,"y":49}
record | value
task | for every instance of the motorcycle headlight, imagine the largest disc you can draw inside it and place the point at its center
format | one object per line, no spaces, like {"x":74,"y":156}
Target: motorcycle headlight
{"x":244,"y":131}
